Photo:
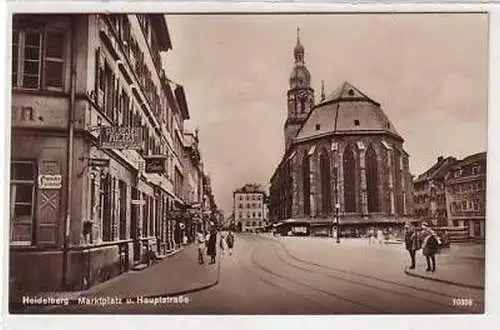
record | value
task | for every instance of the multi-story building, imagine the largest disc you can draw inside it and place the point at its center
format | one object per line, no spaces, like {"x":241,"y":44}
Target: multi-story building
{"x":429,"y":197}
{"x":97,"y":151}
{"x":343,"y":156}
{"x":193,"y":184}
{"x":249,"y":208}
{"x":466,"y":194}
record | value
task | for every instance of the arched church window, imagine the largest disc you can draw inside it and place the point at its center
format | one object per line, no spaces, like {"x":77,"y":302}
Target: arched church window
{"x":349,"y":166}
{"x":302,"y":105}
{"x":306,"y":185}
{"x":326,"y":196}
{"x":372,"y":180}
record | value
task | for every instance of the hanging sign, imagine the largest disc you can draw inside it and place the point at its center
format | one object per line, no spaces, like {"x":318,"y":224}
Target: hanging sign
{"x":121,"y":138}
{"x":156,"y":164}
{"x":48,"y":181}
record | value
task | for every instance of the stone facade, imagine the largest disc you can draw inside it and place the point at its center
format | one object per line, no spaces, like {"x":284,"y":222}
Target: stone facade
{"x":345,"y":158}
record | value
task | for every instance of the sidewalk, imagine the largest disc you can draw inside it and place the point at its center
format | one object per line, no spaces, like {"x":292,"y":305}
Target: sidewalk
{"x":461,"y":264}
{"x":174,"y":275}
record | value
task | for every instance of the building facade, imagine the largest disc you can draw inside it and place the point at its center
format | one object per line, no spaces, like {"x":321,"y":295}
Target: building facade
{"x":193,"y":184}
{"x":466,"y":194}
{"x":249,"y":208}
{"x":97,"y":153}
{"x":344,"y":158}
{"x":430,"y":193}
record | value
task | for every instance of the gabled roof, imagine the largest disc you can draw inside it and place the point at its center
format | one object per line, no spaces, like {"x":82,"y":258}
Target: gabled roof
{"x":348,"y":92}
{"x":357,"y":114}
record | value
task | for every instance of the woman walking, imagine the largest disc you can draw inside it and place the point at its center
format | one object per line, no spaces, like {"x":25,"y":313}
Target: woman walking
{"x":430,"y":247}
{"x":200,"y":240}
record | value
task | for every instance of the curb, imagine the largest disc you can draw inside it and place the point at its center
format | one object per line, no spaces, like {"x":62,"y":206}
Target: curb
{"x":471,"y":286}
{"x":73,"y":296}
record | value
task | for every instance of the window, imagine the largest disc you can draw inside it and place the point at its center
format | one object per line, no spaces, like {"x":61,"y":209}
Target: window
{"x":318,"y":127}
{"x":253,"y":214}
{"x":240,"y":206}
{"x":241,"y":215}
{"x":37,"y":58}
{"x":22,"y":200}
{"x":356,"y":122}
{"x":259,"y":214}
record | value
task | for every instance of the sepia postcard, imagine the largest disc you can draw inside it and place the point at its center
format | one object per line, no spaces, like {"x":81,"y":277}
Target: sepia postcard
{"x":239,"y":163}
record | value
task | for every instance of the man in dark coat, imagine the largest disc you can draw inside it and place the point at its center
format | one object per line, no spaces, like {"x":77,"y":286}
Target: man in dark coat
{"x":412,"y":242}
{"x":212,"y":245}
{"x":430,"y":246}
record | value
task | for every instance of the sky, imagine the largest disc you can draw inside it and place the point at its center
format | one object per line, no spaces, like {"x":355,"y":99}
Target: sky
{"x":429,"y":72}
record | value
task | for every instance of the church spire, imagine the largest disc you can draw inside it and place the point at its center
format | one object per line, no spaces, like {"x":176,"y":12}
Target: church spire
{"x":298,"y":52}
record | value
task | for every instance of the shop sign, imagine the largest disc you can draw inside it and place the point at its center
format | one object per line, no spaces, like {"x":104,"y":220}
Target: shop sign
{"x":121,"y":138}
{"x":156,"y":164}
{"x":48,"y":181}
{"x":98,"y":162}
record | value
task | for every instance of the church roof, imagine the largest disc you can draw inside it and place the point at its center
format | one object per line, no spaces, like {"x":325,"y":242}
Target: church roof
{"x":357,"y":113}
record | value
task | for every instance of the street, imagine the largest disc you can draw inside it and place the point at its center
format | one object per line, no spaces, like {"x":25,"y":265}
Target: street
{"x":294,"y":275}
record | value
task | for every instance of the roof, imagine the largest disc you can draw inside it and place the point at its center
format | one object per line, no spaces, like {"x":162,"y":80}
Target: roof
{"x":471,"y":159}
{"x":357,"y":113}
{"x":250,"y":188}
{"x":159,"y":23}
{"x":181,"y":100}
{"x":438,"y":170}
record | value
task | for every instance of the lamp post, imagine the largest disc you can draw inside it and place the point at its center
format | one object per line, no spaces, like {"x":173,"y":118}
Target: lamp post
{"x":336,"y":182}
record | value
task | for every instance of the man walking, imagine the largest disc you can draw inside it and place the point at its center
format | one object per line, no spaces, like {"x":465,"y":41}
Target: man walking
{"x":212,"y":245}
{"x":230,"y":242}
{"x":412,"y":242}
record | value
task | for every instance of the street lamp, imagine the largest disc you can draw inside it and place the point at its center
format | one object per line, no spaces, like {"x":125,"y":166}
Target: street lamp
{"x":336,"y":182}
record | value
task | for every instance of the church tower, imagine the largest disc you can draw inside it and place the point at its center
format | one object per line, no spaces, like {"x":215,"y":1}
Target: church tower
{"x":300,"y":96}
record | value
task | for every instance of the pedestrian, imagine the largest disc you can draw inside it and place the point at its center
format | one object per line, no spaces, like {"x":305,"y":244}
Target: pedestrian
{"x":212,"y":245}
{"x":430,"y":246}
{"x":200,"y":240}
{"x":380,"y":236}
{"x":371,"y":234}
{"x":230,"y":242}
{"x":412,"y":242}
{"x":222,"y":243}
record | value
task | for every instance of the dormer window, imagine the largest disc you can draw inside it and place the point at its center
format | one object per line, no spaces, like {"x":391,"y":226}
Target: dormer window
{"x":356,"y":122}
{"x":318,"y":126}
{"x":350,"y":92}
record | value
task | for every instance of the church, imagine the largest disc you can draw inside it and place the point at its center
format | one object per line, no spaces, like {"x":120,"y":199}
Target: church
{"x":344,"y":163}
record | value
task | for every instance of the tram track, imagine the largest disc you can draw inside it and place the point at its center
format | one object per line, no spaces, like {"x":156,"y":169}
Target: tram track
{"x":326,"y":271}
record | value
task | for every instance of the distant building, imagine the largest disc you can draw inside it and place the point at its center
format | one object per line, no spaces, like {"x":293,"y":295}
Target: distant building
{"x":466,"y":194}
{"x":249,"y":208}
{"x":429,"y":198}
